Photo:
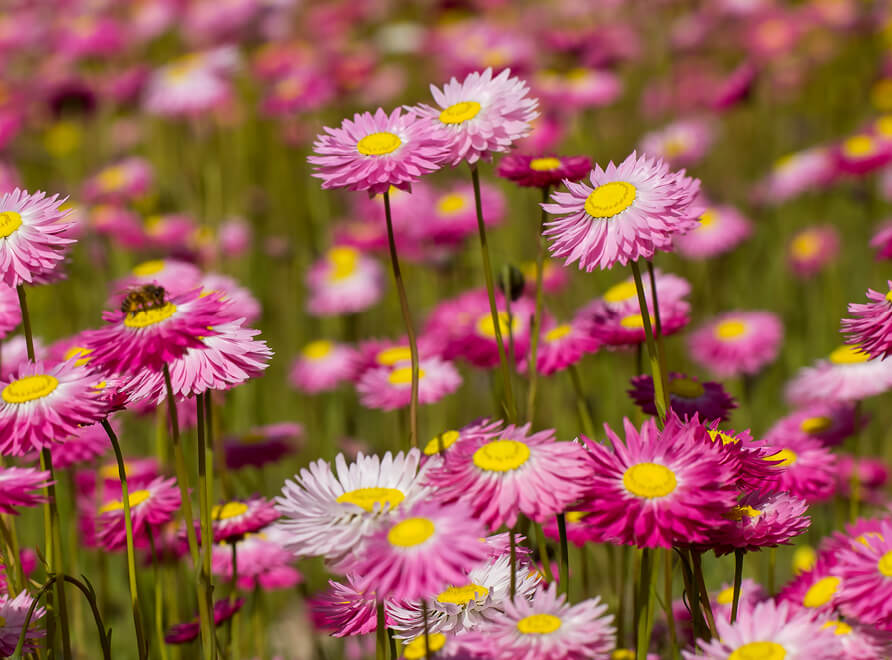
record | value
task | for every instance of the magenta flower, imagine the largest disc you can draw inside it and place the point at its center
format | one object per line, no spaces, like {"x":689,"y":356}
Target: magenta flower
{"x":882,"y":240}
{"x":813,"y":248}
{"x":374,"y":152}
{"x":120,"y":182}
{"x":762,"y":520}
{"x":862,"y":153}
{"x":260,"y":561}
{"x":578,"y":88}
{"x":500,"y":474}
{"x":829,"y":423}
{"x":426,"y":548}
{"x":183,"y":633}
{"x":543,"y":171}
{"x":660,"y":488}
{"x":803,"y":467}
{"x":871,"y":329}
{"x":796,"y":173}
{"x":736,"y":343}
{"x":17,"y":485}
{"x":687,"y":397}
{"x":34,"y":236}
{"x":817,"y":589}
{"x":481,"y":115}
{"x":682,"y":143}
{"x":562,"y":346}
{"x":262,"y":445}
{"x":236,"y":518}
{"x":720,"y":230}
{"x":13,"y":613}
{"x":321,"y":366}
{"x":10,"y":312}
{"x":344,"y":281}
{"x":865,"y":568}
{"x":150,"y":508}
{"x":174,"y":275}
{"x":629,"y":212}
{"x":344,"y":609}
{"x":44,"y":405}
{"x":454,"y":215}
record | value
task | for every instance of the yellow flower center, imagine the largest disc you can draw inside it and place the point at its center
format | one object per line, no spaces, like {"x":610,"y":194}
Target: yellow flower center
{"x":460,"y":112}
{"x":859,"y":146}
{"x":785,"y":456}
{"x":820,"y":593}
{"x":463,"y":595}
{"x":147,"y":268}
{"x":730,"y":329}
{"x":501,"y":455}
{"x":621,"y":292}
{"x":444,"y":440}
{"x":885,"y":564}
{"x":411,"y":532}
{"x":451,"y":203}
{"x":726,"y":596}
{"x":79,"y":352}
{"x":806,"y":245}
{"x":487,"y":328}
{"x":29,"y":388}
{"x":316,"y":350}
{"x":804,"y":558}
{"x":576,"y":516}
{"x":649,"y":480}
{"x":708,"y":218}
{"x":112,"y":179}
{"x":610,"y":199}
{"x":415,"y":650}
{"x":847,"y":354}
{"x":559,"y":332}
{"x":228,"y":510}
{"x":369,"y":498}
{"x":403,"y":376}
{"x":343,"y":262}
{"x":623,"y":654}
{"x":862,"y":539}
{"x":839,"y":627}
{"x":726,"y":439}
{"x":145,"y":318}
{"x":686,"y":388}
{"x":738,"y":513}
{"x":889,"y":296}
{"x":110,"y":472}
{"x":814,"y":425}
{"x":759,"y":651}
{"x":544,"y":164}
{"x":63,"y":138}
{"x":632,"y":322}
{"x":883,"y":126}
{"x":9,"y":222}
{"x":391,"y":356}
{"x":135,"y":498}
{"x":538,"y":624}
{"x":378,"y":144}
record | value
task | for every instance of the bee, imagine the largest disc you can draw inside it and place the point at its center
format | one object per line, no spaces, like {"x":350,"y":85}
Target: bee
{"x":142,"y":299}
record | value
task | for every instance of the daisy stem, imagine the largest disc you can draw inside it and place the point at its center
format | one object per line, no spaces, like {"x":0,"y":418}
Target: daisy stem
{"x":407,"y":319}
{"x":704,"y":594}
{"x":26,"y":322}
{"x":659,"y":394}
{"x":204,"y":504}
{"x":392,"y":641}
{"x":537,"y":316}
{"x":233,"y":594}
{"x":738,"y":580}
{"x":207,"y":643}
{"x":142,"y":646}
{"x":854,"y":480}
{"x":508,"y":394}
{"x":381,"y":633}
{"x":670,"y":615}
{"x":17,"y":578}
{"x":644,"y":614}
{"x":585,"y":415}
{"x":159,"y":600}
{"x":543,"y":553}
{"x":693,"y":596}
{"x":427,"y":639}
{"x":513,"y":559}
{"x":564,"y":566}
{"x":658,"y":334}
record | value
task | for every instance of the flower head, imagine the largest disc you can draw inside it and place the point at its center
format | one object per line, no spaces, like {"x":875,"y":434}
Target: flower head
{"x":344,"y":281}
{"x":813,"y":248}
{"x":543,"y":171}
{"x":847,"y":375}
{"x":761,"y":520}
{"x":687,"y":397}
{"x":802,"y":466}
{"x":261,"y":445}
{"x":344,"y":609}
{"x":563,"y":345}
{"x":13,"y":613}
{"x":389,"y":387}
{"x":322,"y":365}
{"x":865,"y":568}
{"x":150,"y":508}
{"x":183,"y":633}
{"x":720,"y":230}
{"x":827,"y":422}
{"x":16,"y":486}
{"x":737,"y":343}
{"x":871,"y":329}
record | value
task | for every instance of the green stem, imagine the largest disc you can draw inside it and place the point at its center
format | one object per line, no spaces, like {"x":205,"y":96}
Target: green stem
{"x":644,"y":614}
{"x":508,"y":394}
{"x":407,"y":320}
{"x":670,"y":615}
{"x":543,"y":554}
{"x":537,"y":316}
{"x":182,"y":473}
{"x":159,"y":600}
{"x":582,"y":409}
{"x":704,"y":594}
{"x":660,"y":397}
{"x":205,"y":582}
{"x":233,"y":595}
{"x":26,"y":322}
{"x":16,"y":579}
{"x":855,"y":479}
{"x":564,"y":566}
{"x":381,"y":633}
{"x":658,"y":331}
{"x":142,"y":646}
{"x":693,"y":595}
{"x":625,"y":552}
{"x":738,"y":580}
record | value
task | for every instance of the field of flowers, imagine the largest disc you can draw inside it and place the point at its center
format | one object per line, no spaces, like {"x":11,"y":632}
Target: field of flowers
{"x":446,"y":329}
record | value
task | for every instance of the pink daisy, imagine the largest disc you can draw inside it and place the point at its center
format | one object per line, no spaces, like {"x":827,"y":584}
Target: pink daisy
{"x":123,"y":181}
{"x":322,"y":366}
{"x":173,"y":275}
{"x":829,"y":423}
{"x":770,"y":631}
{"x":481,"y":115}
{"x":872,"y":476}
{"x":803,"y":467}
{"x":16,"y":486}
{"x":749,"y":453}
{"x":424,"y":549}
{"x":475,"y":339}
{"x":374,"y":152}
{"x":682,"y":143}
{"x":546,"y":627}
{"x":816,"y":590}
{"x":862,"y":153}
{"x":10,"y":312}
{"x":444,"y":441}
{"x":500,"y":474}
{"x":578,"y":88}
{"x":44,"y":405}
{"x":629,"y":212}
{"x":147,"y":338}
{"x":88,"y":443}
{"x":260,"y":560}
{"x":454,"y":214}
{"x":882,"y":240}
{"x":171,"y":230}
{"x":150,"y":508}
{"x":563,"y":345}
{"x":865,"y":568}
{"x":660,"y":488}
{"x":625,"y":326}
{"x":543,"y":171}
{"x":236,"y":518}
{"x":813,"y":248}
{"x":389,"y":387}
{"x":34,"y":236}
{"x":344,"y":281}
{"x":720,"y":230}
{"x":241,"y":302}
{"x":751,"y":594}
{"x":762,"y":520}
{"x":796,"y":173}
{"x":847,"y":375}
{"x":687,"y":397}
{"x":622,"y":298}
{"x":871,"y":329}
{"x":736,"y":343}
{"x":344,"y":609}
{"x":13,"y":614}
{"x":183,"y":633}
{"x":261,"y":445}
